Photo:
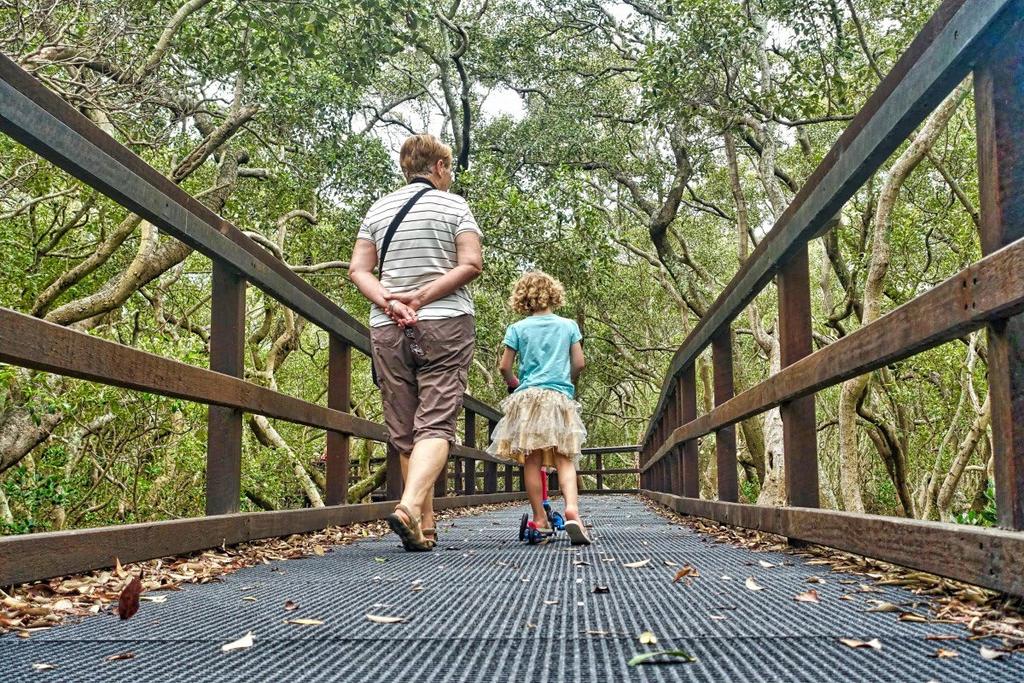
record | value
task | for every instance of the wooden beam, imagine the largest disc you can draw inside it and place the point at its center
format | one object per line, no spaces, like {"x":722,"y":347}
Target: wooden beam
{"x":224,"y":425}
{"x":725,"y":438}
{"x":999,"y":109}
{"x":993,"y":558}
{"x":32,"y":557}
{"x":799,"y":428}
{"x":688,"y":408}
{"x":937,"y":60}
{"x":991,"y":289}
{"x":339,"y":397}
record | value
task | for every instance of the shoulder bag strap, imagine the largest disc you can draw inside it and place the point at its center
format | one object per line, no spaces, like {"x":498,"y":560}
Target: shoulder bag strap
{"x":395,"y":222}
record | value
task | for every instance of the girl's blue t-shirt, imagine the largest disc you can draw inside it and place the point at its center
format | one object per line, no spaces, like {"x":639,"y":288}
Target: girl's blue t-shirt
{"x":543,"y":343}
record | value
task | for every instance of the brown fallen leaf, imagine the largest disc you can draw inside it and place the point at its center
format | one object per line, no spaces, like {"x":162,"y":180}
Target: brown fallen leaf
{"x":753,"y":585}
{"x":688,"y":572}
{"x":249,"y":598}
{"x":638,"y":564}
{"x":378,"y":619}
{"x":851,"y":642}
{"x":128,"y":602}
{"x":815,"y":579}
{"x":943,"y":653}
{"x":290,"y":606}
{"x":120,"y":657}
{"x":942,"y":636}
{"x":846,"y":597}
{"x":989,"y":654}
{"x":305,"y":622}
{"x":910,"y":616}
{"x":808,"y":596}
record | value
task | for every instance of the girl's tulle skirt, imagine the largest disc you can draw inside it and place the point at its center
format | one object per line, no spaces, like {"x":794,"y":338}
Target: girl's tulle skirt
{"x":539,"y":420}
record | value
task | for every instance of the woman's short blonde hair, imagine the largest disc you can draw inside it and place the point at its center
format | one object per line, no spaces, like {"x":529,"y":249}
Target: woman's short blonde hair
{"x":536,"y":291}
{"x":420,"y":153}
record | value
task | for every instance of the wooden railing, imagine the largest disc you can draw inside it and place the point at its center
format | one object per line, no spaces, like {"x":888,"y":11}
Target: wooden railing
{"x":964,"y":36}
{"x":52,"y":128}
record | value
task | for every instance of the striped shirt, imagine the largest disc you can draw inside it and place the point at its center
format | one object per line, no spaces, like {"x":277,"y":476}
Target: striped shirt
{"x":423,"y":248}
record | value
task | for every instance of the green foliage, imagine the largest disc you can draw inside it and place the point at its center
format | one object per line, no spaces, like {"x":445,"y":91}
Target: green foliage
{"x":984,"y":517}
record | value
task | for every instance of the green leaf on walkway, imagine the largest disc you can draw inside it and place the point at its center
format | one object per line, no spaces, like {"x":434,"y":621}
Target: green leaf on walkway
{"x":663,"y":657}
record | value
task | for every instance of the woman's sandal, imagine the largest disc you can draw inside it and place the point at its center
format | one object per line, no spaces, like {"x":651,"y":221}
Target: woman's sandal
{"x":430,"y":535}
{"x":409,"y":532}
{"x":577,"y":534}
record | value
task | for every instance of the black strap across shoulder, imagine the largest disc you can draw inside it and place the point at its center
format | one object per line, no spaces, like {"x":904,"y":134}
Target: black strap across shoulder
{"x":395,"y":222}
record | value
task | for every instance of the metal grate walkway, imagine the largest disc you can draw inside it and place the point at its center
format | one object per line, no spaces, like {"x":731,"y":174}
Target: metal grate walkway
{"x":482,"y":614}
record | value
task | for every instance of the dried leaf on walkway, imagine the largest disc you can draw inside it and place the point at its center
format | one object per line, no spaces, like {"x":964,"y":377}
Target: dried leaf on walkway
{"x":308,"y":622}
{"x":815,"y":579}
{"x":648,"y":638}
{"x":379,"y":619}
{"x":580,"y":563}
{"x":42,"y":666}
{"x":601,"y":589}
{"x":753,"y":585}
{"x":670,"y":563}
{"x":989,"y":654}
{"x":688,"y":572}
{"x":551,"y":602}
{"x":942,"y":636}
{"x":156,"y":599}
{"x":808,"y":596}
{"x":874,"y":644}
{"x":128,"y":602}
{"x":290,"y":606}
{"x":119,"y":571}
{"x":910,"y":616}
{"x":662,"y":657}
{"x":249,"y":598}
{"x":380,"y":559}
{"x":242,"y":643}
{"x":766,"y":565}
{"x":882,"y":606}
{"x":719,"y":617}
{"x":638,"y":564}
{"x":120,"y":656}
{"x":943,"y":653}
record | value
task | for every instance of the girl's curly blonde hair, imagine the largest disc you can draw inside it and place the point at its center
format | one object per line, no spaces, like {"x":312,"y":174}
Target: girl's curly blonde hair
{"x":536,"y":291}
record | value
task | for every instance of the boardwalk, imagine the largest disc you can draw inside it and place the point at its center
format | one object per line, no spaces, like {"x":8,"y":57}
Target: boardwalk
{"x":483,"y":614}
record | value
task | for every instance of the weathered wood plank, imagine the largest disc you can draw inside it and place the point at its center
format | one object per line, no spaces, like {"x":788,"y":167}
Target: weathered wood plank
{"x":991,"y":289}
{"x":688,"y":410}
{"x":339,"y":397}
{"x":993,"y":558}
{"x":725,"y":438}
{"x":799,"y":429}
{"x":44,"y":555}
{"x":224,"y":425}
{"x":999,"y":105}
{"x":937,"y":60}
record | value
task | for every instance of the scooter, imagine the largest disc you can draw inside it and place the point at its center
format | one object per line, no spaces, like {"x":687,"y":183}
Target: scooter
{"x":528,"y":530}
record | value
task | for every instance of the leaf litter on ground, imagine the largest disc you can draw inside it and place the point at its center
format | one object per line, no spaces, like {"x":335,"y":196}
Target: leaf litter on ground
{"x":243,"y":643}
{"x":662,"y":657}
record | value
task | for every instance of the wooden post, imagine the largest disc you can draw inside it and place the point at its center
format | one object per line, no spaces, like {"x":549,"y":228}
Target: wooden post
{"x":999,"y":110}
{"x":393,"y":477}
{"x":688,"y":406}
{"x":339,"y":397}
{"x":469,"y":476}
{"x":224,"y":425}
{"x":490,"y":468}
{"x":725,"y":439}
{"x":599,"y":466}
{"x":799,"y":428}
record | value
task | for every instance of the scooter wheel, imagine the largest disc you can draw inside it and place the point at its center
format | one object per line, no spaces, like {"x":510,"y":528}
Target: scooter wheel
{"x":558,"y":522}
{"x":522,"y":526}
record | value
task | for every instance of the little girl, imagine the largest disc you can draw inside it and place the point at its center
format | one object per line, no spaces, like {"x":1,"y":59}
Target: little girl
{"x":542,"y":426}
